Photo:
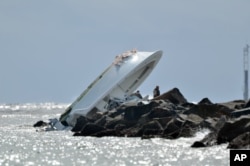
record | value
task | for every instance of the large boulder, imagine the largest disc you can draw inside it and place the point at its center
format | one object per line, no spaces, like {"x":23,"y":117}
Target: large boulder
{"x":205,"y":101}
{"x":211,"y":138}
{"x":133,"y":113}
{"x":80,"y":123}
{"x":209,"y":110}
{"x":240,"y":142}
{"x":151,"y":128}
{"x":159,"y":112}
{"x":90,"y":129}
{"x":173,"y":128}
{"x":207,"y":141}
{"x":107,"y":133}
{"x":118,"y":122}
{"x":235,"y":104}
{"x":233,"y":128}
{"x":117,"y":111}
{"x":210,"y":123}
{"x":174,"y":95}
{"x":40,"y":123}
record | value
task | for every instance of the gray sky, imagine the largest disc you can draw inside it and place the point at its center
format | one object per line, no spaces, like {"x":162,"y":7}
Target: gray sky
{"x":50,"y":51}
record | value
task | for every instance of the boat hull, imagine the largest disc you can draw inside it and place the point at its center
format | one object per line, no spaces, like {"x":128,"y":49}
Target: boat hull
{"x":118,"y":81}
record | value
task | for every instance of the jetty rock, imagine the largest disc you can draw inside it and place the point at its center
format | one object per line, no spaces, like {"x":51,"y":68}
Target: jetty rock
{"x":174,"y":95}
{"x":234,"y":131}
{"x":240,"y":142}
{"x":171,"y":116}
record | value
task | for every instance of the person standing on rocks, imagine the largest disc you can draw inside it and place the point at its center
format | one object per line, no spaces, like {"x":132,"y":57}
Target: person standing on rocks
{"x":156,"y":91}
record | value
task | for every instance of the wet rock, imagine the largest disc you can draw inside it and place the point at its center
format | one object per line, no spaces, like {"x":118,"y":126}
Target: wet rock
{"x":159,"y":112}
{"x":171,"y":116}
{"x":193,"y":120}
{"x":211,"y":138}
{"x":120,"y":127}
{"x":80,"y":123}
{"x":132,"y":131}
{"x":174,"y":95}
{"x":40,"y":124}
{"x":102,"y":121}
{"x":107,"y":133}
{"x":190,"y":126}
{"x":151,"y":128}
{"x":173,"y":128}
{"x":247,"y":104}
{"x":240,"y":142}
{"x":90,"y":129}
{"x":241,"y":112}
{"x":233,"y":128}
{"x":163,"y":121}
{"x":133,"y":113}
{"x":210,"y":123}
{"x":211,"y":110}
{"x":205,"y":101}
{"x":198,"y":144}
{"x":207,"y":141}
{"x":118,"y":111}
{"x":119,"y":121}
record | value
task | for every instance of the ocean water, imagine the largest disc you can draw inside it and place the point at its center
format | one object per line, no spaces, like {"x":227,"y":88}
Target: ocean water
{"x":21,"y":144}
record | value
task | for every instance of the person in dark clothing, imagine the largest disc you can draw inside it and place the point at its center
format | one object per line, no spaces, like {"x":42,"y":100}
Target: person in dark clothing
{"x":156,"y":91}
{"x":138,"y":94}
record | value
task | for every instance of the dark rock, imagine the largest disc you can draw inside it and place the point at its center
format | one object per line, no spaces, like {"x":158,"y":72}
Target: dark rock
{"x":163,"y":121}
{"x":247,"y":104}
{"x":187,"y":105}
{"x":133,"y":113}
{"x":40,"y":124}
{"x":211,"y":138}
{"x":153,"y":126}
{"x":144,"y":119}
{"x":173,"y":128}
{"x":80,"y":123}
{"x":241,"y":112}
{"x":90,"y":129}
{"x":191,"y":125}
{"x":171,"y":116}
{"x":160,"y":113}
{"x":211,"y":110}
{"x":96,"y":115}
{"x":120,"y":127}
{"x":173,"y":95}
{"x":240,"y":142}
{"x":210,"y":123}
{"x":205,"y":101}
{"x":132,"y":132}
{"x":116,"y":121}
{"x":193,"y":120}
{"x":118,"y":111}
{"x":235,"y":104}
{"x":233,"y":128}
{"x":151,"y":133}
{"x":198,"y":144}
{"x":102,"y":121}
{"x":107,"y":133}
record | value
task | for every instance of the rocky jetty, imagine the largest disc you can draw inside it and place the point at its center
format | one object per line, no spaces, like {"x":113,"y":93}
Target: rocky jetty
{"x":171,"y":116}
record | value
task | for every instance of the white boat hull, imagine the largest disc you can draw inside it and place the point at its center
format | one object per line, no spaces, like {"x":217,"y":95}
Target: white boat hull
{"x":119,"y":80}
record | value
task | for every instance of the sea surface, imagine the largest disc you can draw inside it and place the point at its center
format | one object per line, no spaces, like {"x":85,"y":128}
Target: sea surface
{"x":21,"y":144}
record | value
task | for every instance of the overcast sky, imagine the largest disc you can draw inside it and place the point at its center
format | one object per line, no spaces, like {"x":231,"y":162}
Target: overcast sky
{"x":50,"y":51}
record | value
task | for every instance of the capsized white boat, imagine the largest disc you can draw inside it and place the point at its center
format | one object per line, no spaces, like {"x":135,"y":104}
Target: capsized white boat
{"x":118,"y":81}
